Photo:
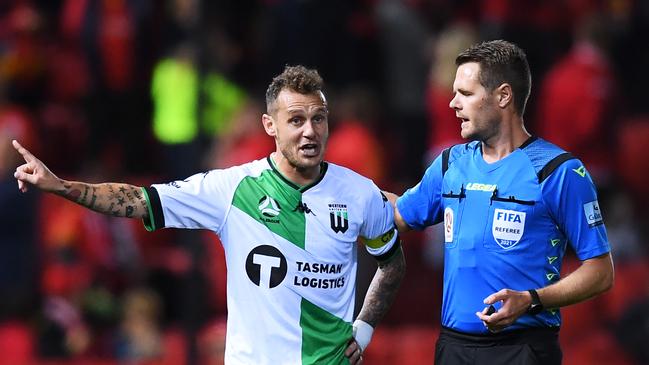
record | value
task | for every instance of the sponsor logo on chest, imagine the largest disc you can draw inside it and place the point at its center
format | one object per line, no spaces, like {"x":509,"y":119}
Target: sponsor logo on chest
{"x":267,"y":267}
{"x":481,"y":187}
{"x":508,"y":227}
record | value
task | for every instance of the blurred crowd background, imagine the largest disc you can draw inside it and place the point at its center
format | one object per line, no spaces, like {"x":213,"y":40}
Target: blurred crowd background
{"x":145,"y":91}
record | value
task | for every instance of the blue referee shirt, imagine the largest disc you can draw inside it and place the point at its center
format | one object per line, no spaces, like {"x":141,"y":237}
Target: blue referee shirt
{"x":505,"y":226}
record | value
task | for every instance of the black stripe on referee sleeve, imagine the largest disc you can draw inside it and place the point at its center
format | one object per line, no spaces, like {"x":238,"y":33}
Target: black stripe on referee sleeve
{"x":549,"y":168}
{"x":157,"y":217}
{"x":391,"y":252}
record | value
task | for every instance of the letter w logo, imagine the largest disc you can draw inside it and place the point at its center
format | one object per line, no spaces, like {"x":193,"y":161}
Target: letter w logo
{"x":339,"y":222}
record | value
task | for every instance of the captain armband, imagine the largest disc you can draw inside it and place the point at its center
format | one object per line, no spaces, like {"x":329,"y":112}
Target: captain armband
{"x":384,"y":246}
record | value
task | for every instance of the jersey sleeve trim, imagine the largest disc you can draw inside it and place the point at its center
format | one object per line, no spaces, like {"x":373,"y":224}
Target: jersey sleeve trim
{"x":595,"y":252}
{"x":156,"y":217}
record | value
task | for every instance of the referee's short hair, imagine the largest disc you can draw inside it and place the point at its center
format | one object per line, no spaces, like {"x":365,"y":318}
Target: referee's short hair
{"x":501,"y":62}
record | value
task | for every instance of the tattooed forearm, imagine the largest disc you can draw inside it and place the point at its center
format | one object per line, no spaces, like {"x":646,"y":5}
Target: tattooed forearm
{"x":94,"y":198}
{"x":383,"y":289}
{"x":119,"y":200}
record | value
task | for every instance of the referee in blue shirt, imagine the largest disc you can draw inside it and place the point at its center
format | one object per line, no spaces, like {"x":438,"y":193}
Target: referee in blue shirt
{"x":510,"y":203}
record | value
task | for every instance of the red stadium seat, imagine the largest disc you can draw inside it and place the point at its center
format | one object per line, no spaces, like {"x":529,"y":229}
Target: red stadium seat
{"x":598,"y":347}
{"x":631,"y":285}
{"x":16,"y":344}
{"x":382,"y":348}
{"x":415,"y":345}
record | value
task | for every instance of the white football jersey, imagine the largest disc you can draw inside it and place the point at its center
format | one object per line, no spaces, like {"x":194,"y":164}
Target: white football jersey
{"x":290,"y":253}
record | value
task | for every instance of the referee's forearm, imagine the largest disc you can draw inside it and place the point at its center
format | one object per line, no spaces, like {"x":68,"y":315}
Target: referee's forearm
{"x":592,"y":278}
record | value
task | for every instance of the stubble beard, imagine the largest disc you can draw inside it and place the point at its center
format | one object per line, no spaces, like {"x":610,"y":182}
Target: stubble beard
{"x":294,"y":161}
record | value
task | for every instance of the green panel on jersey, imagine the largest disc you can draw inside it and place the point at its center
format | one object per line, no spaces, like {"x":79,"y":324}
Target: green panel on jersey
{"x":319,"y":349}
{"x":272,"y":203}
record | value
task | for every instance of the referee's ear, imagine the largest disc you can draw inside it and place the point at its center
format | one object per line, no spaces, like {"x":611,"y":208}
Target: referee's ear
{"x":504,"y":95}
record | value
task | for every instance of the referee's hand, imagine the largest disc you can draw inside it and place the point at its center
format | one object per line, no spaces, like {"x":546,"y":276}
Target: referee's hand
{"x":514,"y":304}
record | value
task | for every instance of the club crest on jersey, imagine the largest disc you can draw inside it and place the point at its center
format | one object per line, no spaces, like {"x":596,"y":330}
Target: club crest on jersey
{"x":338,"y":217}
{"x":508,"y":227}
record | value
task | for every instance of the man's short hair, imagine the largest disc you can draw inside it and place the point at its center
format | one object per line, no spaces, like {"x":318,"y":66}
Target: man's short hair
{"x":294,"y":78}
{"x":501,"y":62}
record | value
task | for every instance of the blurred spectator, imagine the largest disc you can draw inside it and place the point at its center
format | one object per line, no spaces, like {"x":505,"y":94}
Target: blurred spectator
{"x":246,"y":139}
{"x":632,"y":163}
{"x":140,"y":337}
{"x":629,"y":28}
{"x":353,"y":140}
{"x":189,"y":109}
{"x":114,"y":39}
{"x":578,"y":96}
{"x":18,"y":225}
{"x":17,"y":344}
{"x":443,"y":124}
{"x":632,"y":330}
{"x":540,"y":27}
{"x":212,"y":343}
{"x":22,"y":53}
{"x":174,"y":91}
{"x":403,"y":37}
{"x":622,"y":226}
{"x":63,"y":333}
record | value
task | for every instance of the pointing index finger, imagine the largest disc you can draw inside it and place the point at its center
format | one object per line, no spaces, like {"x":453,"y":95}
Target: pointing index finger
{"x":23,"y":151}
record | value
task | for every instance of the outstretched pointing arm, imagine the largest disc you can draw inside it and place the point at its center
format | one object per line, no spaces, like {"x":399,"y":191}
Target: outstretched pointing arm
{"x":117,"y":199}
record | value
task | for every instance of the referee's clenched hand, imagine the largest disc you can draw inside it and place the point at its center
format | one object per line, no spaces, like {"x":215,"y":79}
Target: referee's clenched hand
{"x":514,"y":304}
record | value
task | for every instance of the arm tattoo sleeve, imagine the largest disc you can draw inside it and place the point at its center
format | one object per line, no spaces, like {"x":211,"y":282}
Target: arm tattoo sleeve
{"x":116,"y":199}
{"x":383,"y":289}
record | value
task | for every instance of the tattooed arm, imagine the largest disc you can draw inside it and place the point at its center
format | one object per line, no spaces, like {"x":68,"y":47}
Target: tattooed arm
{"x":120,"y":200}
{"x":378,"y":299}
{"x":383,"y":289}
{"x":116,"y":199}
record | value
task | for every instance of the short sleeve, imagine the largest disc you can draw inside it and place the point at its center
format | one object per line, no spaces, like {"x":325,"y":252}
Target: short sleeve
{"x":200,"y":201}
{"x":571,"y":197}
{"x":420,"y":206}
{"x":378,"y":231}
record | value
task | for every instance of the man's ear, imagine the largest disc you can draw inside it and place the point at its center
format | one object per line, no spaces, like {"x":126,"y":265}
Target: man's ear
{"x":269,"y":124}
{"x":505,"y":95}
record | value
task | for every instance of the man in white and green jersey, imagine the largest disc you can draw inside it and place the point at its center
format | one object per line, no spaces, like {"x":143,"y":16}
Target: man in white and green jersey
{"x":289,"y":226}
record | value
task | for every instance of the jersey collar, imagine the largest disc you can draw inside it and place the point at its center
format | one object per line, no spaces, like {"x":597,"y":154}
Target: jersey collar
{"x":323,"y":170}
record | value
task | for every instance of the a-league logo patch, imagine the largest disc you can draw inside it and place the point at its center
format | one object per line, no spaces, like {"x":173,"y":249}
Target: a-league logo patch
{"x":448,"y":225}
{"x":508,"y":227}
{"x":269,"y":206}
